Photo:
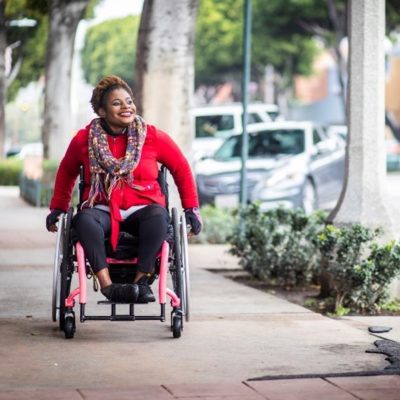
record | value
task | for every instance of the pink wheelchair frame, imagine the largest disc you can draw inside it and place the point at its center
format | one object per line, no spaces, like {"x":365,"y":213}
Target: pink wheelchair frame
{"x":163,"y":291}
{"x":71,"y":257}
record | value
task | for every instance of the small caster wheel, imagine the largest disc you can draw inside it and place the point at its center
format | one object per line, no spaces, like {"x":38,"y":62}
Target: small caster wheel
{"x":177,"y":326}
{"x":69,"y":326}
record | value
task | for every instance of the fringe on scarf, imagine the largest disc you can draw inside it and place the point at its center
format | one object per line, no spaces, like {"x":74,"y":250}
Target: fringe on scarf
{"x":107,"y":172}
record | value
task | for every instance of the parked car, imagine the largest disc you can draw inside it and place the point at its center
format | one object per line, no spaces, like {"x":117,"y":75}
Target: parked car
{"x":339,"y":130}
{"x":295,"y":164}
{"x":31,"y":149}
{"x":392,"y":145}
{"x":13,"y":151}
{"x":28,"y":149}
{"x":212,"y":124}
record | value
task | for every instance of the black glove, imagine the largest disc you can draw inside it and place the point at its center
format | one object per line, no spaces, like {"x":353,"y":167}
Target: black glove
{"x":193,"y":218}
{"x":52,"y":218}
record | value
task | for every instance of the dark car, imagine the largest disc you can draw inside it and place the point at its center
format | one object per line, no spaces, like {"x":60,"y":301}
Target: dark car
{"x":294,"y":164}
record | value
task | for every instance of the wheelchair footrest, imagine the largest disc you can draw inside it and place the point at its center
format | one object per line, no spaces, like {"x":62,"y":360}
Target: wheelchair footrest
{"x":121,"y":317}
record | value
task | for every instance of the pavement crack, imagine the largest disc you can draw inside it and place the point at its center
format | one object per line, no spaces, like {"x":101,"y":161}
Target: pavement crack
{"x":81,"y":394}
{"x":339,"y":387}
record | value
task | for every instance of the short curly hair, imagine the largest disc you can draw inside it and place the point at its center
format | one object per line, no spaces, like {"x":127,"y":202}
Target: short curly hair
{"x":104,"y":87}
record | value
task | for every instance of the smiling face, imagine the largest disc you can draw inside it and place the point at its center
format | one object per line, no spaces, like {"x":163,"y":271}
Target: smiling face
{"x":119,"y":109}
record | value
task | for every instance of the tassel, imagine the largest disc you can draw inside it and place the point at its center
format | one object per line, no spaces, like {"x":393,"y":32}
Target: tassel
{"x":107,"y":172}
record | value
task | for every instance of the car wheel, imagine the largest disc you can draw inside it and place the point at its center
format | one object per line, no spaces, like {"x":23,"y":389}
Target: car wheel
{"x":310,"y":201}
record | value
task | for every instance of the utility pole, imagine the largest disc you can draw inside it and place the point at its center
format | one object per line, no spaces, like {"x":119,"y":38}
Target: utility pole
{"x":245,"y":98}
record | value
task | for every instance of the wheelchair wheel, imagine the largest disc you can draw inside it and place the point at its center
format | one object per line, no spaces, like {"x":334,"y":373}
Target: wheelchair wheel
{"x":58,"y":257}
{"x":176,"y":326}
{"x":185,"y":269}
{"x":180,"y":273}
{"x":69,"y":325}
{"x":177,"y":278}
{"x":66,"y":268}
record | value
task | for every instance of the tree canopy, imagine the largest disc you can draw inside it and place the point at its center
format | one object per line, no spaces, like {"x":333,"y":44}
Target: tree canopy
{"x":283,"y":35}
{"x":276,"y":39}
{"x":33,"y":56}
{"x":392,"y":16}
{"x":31,"y":50}
{"x":28,"y":42}
{"x":110,"y":48}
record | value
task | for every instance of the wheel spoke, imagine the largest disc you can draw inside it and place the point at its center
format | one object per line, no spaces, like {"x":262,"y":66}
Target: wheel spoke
{"x":185,"y":268}
{"x":58,"y":256}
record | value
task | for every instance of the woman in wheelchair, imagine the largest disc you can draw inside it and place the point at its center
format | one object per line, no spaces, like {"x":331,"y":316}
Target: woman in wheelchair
{"x":120,"y":153}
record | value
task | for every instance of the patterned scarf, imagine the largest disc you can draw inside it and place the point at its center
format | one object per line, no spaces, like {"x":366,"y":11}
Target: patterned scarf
{"x":107,"y":171}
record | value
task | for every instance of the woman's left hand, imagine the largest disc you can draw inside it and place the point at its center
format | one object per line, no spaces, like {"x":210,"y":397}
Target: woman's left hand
{"x":193,"y":218}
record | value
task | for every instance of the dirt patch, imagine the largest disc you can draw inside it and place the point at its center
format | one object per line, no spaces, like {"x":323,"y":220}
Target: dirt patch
{"x":299,"y":295}
{"x":306,"y":296}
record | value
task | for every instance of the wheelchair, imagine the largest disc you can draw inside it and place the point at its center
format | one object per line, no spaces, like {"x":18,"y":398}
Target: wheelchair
{"x":172,"y":261}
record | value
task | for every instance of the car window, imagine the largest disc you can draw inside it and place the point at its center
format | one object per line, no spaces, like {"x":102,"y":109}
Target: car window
{"x":254,"y":118}
{"x":273,"y":115}
{"x":209,"y":125}
{"x":265,"y":143}
{"x":316,"y":136}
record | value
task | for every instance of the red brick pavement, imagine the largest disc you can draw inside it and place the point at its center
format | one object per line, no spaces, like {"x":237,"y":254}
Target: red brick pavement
{"x":383,"y":387}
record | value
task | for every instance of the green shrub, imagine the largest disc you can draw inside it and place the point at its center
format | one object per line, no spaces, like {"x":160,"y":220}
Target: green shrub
{"x":218,"y":224}
{"x":277,"y":245}
{"x":392,"y":306}
{"x":360,"y":269}
{"x":10,"y":171}
{"x":288,"y":248}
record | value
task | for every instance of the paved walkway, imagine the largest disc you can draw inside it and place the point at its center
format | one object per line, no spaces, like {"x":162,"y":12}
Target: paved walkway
{"x":240,"y":344}
{"x":351,"y":388}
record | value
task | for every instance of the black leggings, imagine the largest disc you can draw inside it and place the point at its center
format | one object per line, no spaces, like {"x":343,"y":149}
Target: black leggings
{"x":149,"y":224}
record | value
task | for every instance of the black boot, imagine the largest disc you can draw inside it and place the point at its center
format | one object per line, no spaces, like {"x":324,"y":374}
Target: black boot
{"x":146,"y":295}
{"x":120,"y":293}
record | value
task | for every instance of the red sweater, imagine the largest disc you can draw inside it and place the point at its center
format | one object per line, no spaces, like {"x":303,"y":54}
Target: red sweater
{"x":158,"y":148}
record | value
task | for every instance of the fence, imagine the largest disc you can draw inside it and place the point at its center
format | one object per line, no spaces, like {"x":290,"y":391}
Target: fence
{"x":35,"y":192}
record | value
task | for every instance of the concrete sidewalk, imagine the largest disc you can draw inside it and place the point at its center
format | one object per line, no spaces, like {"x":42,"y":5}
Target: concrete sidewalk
{"x":237,"y":345}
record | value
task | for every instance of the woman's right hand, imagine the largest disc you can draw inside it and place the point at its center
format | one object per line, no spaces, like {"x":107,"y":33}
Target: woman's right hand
{"x":52,"y":219}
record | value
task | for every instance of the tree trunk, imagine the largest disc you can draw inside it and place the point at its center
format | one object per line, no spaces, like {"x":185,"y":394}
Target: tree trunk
{"x":326,"y":285}
{"x":3,"y":45}
{"x":165,"y":67}
{"x":56,"y":131}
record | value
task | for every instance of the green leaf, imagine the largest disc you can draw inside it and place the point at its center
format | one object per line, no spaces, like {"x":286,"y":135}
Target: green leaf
{"x":110,"y":48}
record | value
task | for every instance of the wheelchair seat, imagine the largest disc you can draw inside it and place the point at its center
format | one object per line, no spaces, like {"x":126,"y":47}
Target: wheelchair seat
{"x":127,"y":246}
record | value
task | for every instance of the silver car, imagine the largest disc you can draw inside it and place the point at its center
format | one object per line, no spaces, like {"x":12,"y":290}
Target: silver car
{"x":214,"y":123}
{"x":294,"y":164}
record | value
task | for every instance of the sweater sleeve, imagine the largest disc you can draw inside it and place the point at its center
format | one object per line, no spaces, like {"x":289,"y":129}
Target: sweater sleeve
{"x":172,"y":157}
{"x":67,"y":173}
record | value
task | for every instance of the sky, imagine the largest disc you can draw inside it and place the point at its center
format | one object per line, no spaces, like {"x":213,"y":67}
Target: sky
{"x":109,"y":9}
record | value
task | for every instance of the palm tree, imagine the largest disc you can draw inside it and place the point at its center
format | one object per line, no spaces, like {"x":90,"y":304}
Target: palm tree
{"x":165,"y":66}
{"x":64,"y":18}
